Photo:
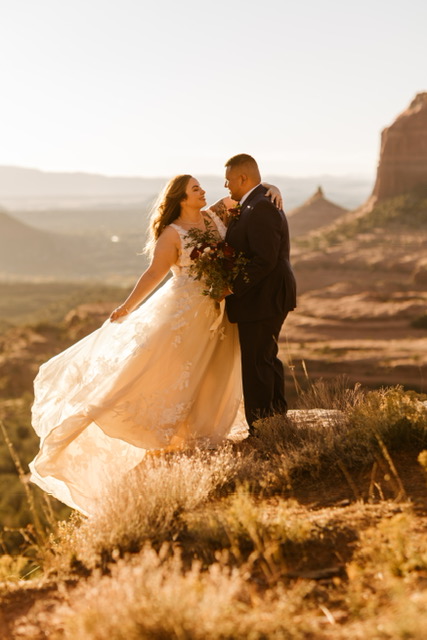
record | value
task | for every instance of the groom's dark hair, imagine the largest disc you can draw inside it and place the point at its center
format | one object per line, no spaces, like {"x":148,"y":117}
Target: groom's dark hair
{"x":246,"y":162}
{"x":241,"y":158}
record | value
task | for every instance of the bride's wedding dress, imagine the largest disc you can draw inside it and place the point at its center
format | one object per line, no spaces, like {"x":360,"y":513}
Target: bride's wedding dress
{"x":165,"y":377}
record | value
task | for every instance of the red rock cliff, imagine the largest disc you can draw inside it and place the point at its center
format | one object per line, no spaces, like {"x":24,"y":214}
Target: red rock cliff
{"x":403,"y":156}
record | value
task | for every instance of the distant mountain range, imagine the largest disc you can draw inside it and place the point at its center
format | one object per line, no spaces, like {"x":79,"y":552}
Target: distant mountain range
{"x":23,"y":188}
{"x":25,"y":251}
{"x":84,"y":226}
{"x":20,"y":182}
{"x":31,"y":254}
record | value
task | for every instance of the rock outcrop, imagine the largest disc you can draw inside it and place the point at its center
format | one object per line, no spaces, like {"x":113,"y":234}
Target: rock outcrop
{"x":403,"y":156}
{"x":314,"y":213}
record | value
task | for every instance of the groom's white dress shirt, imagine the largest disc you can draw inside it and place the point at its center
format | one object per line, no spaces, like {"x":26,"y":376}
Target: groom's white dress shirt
{"x":241,"y":201}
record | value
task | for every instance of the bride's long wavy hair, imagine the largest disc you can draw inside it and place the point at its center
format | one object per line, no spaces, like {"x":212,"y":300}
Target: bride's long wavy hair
{"x":167,"y":208}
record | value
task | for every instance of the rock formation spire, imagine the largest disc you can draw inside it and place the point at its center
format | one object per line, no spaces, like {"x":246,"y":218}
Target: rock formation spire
{"x":403,"y":157}
{"x":314,"y":213}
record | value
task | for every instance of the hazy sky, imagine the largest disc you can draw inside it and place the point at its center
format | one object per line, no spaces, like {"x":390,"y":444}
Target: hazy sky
{"x":131,"y":87}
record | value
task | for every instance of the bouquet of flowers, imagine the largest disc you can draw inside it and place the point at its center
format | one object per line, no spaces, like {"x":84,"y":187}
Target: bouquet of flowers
{"x":215,"y":262}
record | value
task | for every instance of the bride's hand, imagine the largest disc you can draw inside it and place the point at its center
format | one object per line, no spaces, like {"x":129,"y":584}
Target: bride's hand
{"x":224,"y":294}
{"x":118,"y":313}
{"x":274,"y":194}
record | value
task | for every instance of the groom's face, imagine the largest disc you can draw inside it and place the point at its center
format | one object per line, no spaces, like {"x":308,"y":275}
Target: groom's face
{"x":234,"y":182}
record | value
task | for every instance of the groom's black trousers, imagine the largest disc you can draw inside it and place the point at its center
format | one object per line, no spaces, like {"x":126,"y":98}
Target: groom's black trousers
{"x":262,"y":371}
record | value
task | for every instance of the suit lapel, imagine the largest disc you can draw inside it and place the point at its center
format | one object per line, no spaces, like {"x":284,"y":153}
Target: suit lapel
{"x":246,"y":206}
{"x":247,"y":203}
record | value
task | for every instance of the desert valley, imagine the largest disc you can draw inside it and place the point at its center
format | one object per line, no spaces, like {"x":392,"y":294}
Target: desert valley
{"x":361,"y":271}
{"x":362,"y":274}
{"x":307,"y":527}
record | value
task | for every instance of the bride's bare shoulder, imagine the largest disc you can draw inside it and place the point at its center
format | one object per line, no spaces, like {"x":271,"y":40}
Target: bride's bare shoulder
{"x":169,"y":235}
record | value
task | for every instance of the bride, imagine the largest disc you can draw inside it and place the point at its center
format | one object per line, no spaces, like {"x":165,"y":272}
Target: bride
{"x":155,"y":377}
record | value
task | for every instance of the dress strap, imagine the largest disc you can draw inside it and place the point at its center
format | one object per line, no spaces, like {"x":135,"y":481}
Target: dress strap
{"x":222,"y":229}
{"x":180,"y":231}
{"x":177,"y":228}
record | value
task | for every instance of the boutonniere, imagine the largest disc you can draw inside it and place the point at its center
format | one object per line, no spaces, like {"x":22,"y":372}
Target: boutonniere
{"x":234,"y":212}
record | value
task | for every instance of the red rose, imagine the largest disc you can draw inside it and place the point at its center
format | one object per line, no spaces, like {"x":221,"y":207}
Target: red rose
{"x":228,"y":251}
{"x":235,"y":212}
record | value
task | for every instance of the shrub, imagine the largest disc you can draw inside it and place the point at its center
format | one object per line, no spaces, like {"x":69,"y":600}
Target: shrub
{"x":323,"y":441}
{"x":148,"y":505}
{"x":152,"y":598}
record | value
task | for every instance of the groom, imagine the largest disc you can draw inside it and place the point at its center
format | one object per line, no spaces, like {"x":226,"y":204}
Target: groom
{"x":263,"y":296}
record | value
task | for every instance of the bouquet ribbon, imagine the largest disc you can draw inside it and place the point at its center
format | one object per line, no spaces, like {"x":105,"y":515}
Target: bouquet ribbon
{"x":214,"y":326}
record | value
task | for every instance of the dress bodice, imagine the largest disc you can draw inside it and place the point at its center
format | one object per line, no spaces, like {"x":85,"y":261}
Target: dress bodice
{"x":182,"y":265}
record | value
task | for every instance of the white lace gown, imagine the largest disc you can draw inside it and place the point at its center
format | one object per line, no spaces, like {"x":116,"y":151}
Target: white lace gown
{"x":168,"y":375}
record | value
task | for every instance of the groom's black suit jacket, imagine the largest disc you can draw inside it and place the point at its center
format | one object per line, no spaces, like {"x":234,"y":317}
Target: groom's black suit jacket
{"x":261,"y":233}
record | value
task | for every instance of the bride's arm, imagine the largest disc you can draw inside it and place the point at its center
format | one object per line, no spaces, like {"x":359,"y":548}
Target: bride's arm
{"x":165,"y":255}
{"x":274,"y":194}
{"x":222,"y":206}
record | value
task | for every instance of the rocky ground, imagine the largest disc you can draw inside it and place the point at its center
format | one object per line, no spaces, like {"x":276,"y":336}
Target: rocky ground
{"x":344,"y":330}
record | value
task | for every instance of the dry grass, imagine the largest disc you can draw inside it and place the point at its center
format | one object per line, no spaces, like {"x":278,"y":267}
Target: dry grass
{"x":182,"y":498}
{"x":387,"y":579}
{"x":151,"y":597}
{"x":357,"y":428}
{"x":147,"y":506}
{"x":156,"y":595}
{"x":211,"y":545}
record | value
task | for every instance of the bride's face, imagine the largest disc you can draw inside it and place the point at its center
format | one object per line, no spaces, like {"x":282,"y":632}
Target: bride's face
{"x":195,"y":195}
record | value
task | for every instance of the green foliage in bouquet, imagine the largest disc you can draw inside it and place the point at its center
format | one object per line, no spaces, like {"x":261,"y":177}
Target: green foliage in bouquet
{"x":215,"y":262}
